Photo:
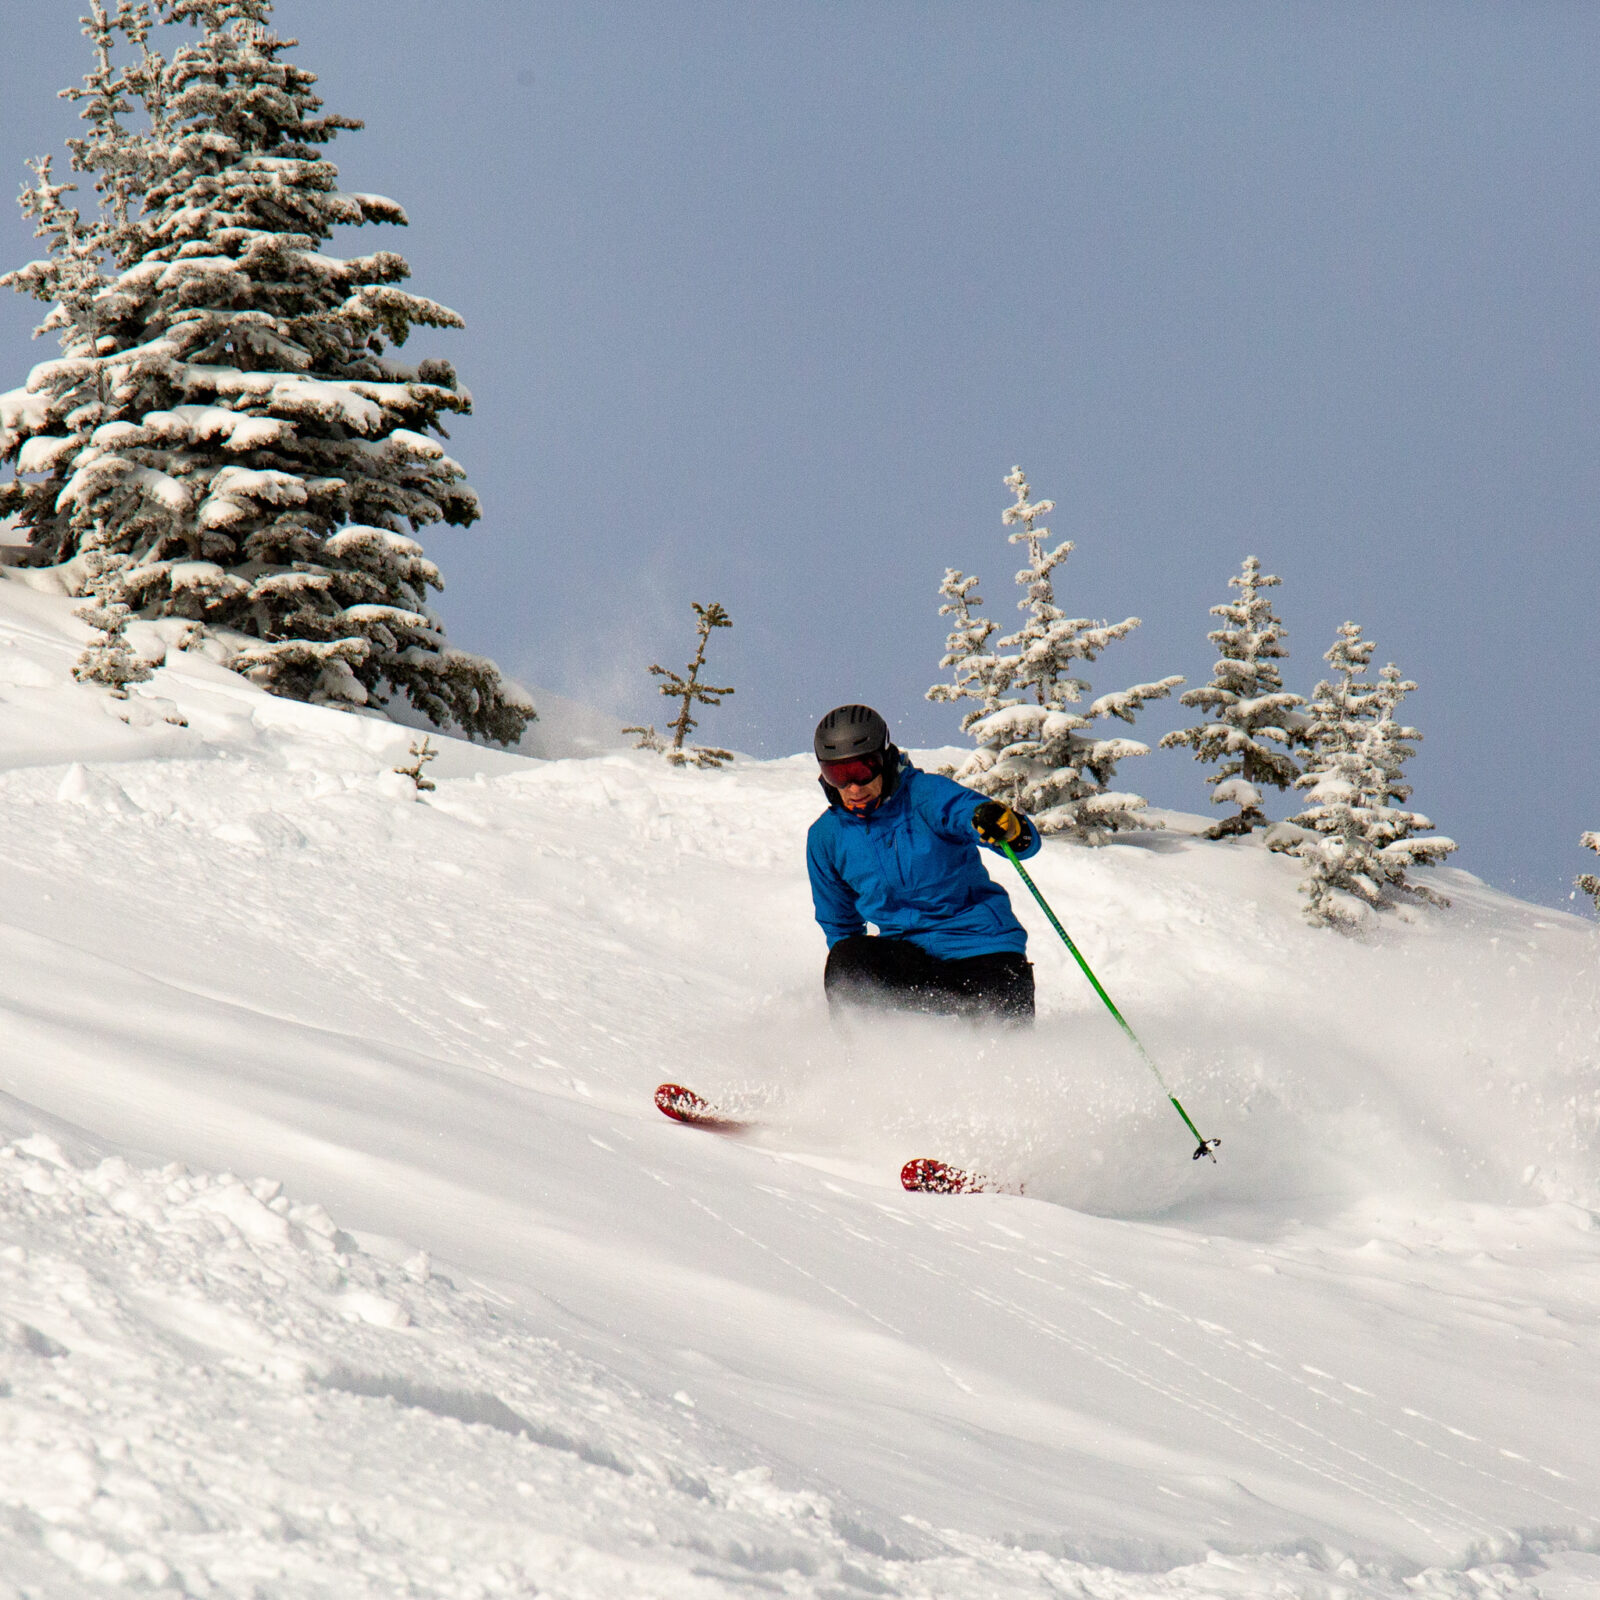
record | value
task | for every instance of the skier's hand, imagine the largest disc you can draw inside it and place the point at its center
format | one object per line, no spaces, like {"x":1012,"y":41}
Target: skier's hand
{"x":997,"y":824}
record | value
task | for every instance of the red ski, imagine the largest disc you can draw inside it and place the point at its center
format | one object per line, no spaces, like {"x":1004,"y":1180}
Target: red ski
{"x":924,"y":1175}
{"x":684,"y":1105}
{"x":927,"y":1176}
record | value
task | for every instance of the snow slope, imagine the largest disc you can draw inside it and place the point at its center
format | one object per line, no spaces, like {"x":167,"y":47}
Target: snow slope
{"x":343,"y":1253}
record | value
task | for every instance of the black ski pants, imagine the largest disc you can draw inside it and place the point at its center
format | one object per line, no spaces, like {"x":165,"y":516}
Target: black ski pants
{"x":865,"y":969}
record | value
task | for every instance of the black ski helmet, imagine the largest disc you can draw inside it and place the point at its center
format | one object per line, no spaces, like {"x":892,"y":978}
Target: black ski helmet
{"x":849,"y":731}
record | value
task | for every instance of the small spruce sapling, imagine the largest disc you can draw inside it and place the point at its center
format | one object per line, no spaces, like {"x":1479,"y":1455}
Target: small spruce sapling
{"x":688,"y":688}
{"x":1033,"y":750}
{"x":421,"y":752}
{"x":1589,"y":882}
{"x":1251,"y":710}
{"x":108,"y":658}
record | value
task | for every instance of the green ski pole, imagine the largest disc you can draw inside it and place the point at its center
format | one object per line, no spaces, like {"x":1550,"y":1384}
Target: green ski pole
{"x":1206,"y":1147}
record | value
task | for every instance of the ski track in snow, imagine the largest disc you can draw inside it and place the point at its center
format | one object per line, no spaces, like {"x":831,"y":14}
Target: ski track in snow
{"x":494,"y":1327}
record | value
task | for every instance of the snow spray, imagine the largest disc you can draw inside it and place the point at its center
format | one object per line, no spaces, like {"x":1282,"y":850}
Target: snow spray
{"x":1205,"y":1147}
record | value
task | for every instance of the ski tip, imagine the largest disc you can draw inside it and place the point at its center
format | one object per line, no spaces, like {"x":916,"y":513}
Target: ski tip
{"x":925,"y":1175}
{"x":684,"y":1105}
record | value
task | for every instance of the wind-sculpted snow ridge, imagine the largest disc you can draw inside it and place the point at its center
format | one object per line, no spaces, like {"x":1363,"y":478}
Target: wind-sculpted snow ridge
{"x":1360,"y":1356}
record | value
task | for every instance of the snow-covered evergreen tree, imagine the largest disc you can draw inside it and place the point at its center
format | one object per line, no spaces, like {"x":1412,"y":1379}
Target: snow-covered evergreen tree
{"x":108,"y":658}
{"x":1589,"y":882}
{"x":224,"y":437}
{"x":687,"y":688}
{"x":1252,"y":712}
{"x":1034,"y":750}
{"x":1355,"y":837}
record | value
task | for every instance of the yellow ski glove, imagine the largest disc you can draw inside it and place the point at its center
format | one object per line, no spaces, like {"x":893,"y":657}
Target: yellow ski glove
{"x":997,"y":824}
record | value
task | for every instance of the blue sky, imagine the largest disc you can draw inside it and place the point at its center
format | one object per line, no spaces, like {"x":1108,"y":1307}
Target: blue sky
{"x":764,"y":301}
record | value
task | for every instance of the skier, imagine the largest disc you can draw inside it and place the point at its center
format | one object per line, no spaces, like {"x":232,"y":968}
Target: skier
{"x":898,"y":847}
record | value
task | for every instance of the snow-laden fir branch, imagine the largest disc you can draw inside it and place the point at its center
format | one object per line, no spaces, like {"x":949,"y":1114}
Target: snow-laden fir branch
{"x":976,"y":674}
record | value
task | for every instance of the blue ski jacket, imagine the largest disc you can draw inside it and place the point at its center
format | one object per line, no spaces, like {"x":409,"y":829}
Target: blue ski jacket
{"x":911,"y":868}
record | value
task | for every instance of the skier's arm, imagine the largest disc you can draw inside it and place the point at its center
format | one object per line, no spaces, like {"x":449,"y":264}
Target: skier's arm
{"x":954,"y":819}
{"x":833,"y":898}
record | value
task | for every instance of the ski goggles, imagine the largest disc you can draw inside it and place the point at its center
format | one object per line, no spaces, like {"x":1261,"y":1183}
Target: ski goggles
{"x":855,"y":770}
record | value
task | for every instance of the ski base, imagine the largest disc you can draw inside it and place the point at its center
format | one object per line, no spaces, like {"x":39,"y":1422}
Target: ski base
{"x":684,"y":1105}
{"x":925,"y":1175}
